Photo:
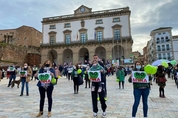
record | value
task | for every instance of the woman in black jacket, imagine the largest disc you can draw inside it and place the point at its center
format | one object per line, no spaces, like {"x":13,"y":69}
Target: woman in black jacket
{"x":161,"y":80}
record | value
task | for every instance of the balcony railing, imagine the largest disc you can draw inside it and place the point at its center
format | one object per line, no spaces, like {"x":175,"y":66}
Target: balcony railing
{"x":91,"y":41}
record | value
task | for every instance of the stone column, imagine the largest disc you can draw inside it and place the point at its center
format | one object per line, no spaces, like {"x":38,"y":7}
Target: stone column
{"x":109,"y":54}
{"x":60,"y":58}
{"x":91,"y":56}
{"x":43,"y":58}
{"x":75,"y":57}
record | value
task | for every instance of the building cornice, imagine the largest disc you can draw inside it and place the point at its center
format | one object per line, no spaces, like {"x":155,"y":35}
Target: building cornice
{"x":92,"y":15}
{"x":89,"y":42}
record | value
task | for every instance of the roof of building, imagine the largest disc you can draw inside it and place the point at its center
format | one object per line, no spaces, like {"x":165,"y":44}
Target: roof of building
{"x":175,"y":37}
{"x":6,"y":29}
{"x":20,"y":27}
{"x":162,"y":28}
{"x":29,"y":27}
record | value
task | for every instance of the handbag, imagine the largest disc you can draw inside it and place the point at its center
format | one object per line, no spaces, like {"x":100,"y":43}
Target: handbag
{"x":53,"y":80}
{"x":80,"y":80}
{"x":162,"y":79}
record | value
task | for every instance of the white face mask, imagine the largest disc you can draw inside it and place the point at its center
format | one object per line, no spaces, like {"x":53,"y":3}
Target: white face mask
{"x":25,"y":66}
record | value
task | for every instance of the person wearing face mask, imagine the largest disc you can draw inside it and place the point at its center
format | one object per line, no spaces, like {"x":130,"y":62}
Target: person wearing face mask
{"x":98,"y":88}
{"x":75,"y":76}
{"x":140,"y":89}
{"x":46,"y":88}
{"x":25,"y":79}
{"x":120,"y":74}
{"x":12,"y":72}
{"x":160,"y":74}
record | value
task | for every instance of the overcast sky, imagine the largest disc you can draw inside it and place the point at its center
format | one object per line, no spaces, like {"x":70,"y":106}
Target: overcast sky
{"x":146,"y":15}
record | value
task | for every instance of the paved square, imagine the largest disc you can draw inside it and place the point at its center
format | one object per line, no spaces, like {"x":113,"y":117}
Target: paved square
{"x":69,"y":105}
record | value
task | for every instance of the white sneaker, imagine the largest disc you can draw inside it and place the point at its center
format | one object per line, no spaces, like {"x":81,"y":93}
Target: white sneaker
{"x":104,"y":115}
{"x":94,"y":115}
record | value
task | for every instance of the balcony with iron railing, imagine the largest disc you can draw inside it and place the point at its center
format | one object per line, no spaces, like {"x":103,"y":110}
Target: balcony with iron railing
{"x":91,"y":41}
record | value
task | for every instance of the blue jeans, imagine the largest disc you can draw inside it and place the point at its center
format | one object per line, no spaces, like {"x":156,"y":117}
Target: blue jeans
{"x":10,"y":79}
{"x":23,"y":83}
{"x":137,"y":94}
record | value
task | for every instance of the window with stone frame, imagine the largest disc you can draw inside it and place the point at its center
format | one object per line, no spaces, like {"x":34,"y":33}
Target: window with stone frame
{"x":83,"y":35}
{"x":168,"y":56}
{"x":162,"y":39}
{"x":52,"y":27}
{"x":52,"y":40}
{"x":167,"y":47}
{"x":158,"y":48}
{"x":158,"y":41}
{"x":52,"y":37}
{"x":100,"y":21}
{"x":164,"y":56}
{"x":67,"y":36}
{"x":99,"y":33}
{"x":116,"y":31}
{"x":67,"y":25}
{"x":116,"y":19}
{"x":163,"y":47}
{"x":159,"y":56}
{"x":116,"y":34}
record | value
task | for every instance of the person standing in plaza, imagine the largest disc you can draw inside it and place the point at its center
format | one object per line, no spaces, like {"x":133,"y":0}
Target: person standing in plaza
{"x":1,"y":75}
{"x":87,"y":80}
{"x":35,"y":69}
{"x":12,"y":71}
{"x":121,"y":76}
{"x":161,"y":80}
{"x":75,"y":75}
{"x":98,"y":88}
{"x":61,"y":69}
{"x":69,"y":71}
{"x":57,"y":73}
{"x":140,"y":89}
{"x":95,"y":57}
{"x":47,"y":87}
{"x":25,"y":78}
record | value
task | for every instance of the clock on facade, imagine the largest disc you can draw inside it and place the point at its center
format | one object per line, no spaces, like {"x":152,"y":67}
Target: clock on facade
{"x":82,"y":9}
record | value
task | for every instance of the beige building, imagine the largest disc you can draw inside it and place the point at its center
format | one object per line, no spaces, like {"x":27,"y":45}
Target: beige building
{"x":24,"y":36}
{"x":145,"y":57}
{"x":77,"y":37}
{"x":160,"y":45}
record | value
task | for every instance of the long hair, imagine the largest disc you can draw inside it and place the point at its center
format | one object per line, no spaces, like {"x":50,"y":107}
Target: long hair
{"x":45,"y":63}
{"x":141,"y":69}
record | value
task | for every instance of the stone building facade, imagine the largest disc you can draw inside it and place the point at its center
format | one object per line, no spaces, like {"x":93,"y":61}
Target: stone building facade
{"x":20,"y":45}
{"x":22,"y":36}
{"x":77,"y":37}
